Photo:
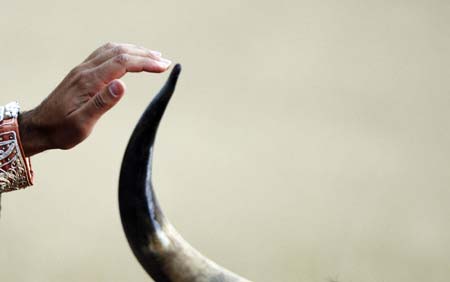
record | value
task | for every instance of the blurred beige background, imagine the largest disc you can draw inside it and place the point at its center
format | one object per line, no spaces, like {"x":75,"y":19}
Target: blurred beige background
{"x":307,"y":140}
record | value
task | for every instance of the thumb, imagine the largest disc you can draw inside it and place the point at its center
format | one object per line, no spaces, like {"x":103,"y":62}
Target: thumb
{"x":105,"y":99}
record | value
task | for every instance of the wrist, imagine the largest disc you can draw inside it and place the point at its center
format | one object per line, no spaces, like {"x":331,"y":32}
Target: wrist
{"x":33,"y":138}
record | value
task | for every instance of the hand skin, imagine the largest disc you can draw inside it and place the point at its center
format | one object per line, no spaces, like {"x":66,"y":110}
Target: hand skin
{"x":68,"y":115}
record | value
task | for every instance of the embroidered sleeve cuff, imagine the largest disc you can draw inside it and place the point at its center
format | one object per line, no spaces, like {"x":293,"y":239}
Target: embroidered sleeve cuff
{"x":15,"y":167}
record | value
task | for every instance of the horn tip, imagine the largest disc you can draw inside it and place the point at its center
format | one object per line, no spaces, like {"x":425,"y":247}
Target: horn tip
{"x":175,"y":71}
{"x":177,"y":68}
{"x":173,"y":77}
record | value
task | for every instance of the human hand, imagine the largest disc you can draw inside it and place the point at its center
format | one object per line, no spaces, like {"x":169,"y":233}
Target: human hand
{"x":68,"y":115}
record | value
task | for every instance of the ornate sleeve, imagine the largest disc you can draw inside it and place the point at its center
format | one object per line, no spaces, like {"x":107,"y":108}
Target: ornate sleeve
{"x":15,"y":167}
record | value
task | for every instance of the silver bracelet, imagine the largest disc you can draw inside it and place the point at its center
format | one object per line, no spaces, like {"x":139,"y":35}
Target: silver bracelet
{"x":10,"y":110}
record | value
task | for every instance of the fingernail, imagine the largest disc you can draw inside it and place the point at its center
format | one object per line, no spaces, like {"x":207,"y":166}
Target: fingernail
{"x":114,"y":89}
{"x":156,"y":53}
{"x":166,"y":62}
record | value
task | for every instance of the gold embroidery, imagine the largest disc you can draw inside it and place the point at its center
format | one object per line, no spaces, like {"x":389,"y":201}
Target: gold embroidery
{"x":13,"y":167}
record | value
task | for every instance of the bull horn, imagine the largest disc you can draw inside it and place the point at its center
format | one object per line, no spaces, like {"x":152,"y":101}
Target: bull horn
{"x":163,"y":253}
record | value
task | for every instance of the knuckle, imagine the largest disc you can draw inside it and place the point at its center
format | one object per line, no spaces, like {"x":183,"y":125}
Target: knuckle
{"x":86,"y":81}
{"x":120,"y":50}
{"x":75,"y":77}
{"x":99,"y":102}
{"x":75,"y":71}
{"x":84,"y":76}
{"x":109,"y":45}
{"x":121,"y":59}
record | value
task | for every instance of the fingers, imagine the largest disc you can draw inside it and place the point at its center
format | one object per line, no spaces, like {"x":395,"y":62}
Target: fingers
{"x":104,"y":67}
{"x":112,"y":61}
{"x":118,"y":65}
{"x":110,"y":49}
{"x":103,"y":101}
{"x":120,"y":49}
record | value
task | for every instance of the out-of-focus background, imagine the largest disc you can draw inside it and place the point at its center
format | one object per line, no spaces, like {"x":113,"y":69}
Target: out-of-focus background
{"x":306,"y":141}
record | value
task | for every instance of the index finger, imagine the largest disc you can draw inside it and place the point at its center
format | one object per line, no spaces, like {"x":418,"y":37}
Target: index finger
{"x":99,"y":50}
{"x":119,"y":65}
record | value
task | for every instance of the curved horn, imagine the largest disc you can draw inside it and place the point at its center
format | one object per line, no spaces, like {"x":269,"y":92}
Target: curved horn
{"x":156,"y":244}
